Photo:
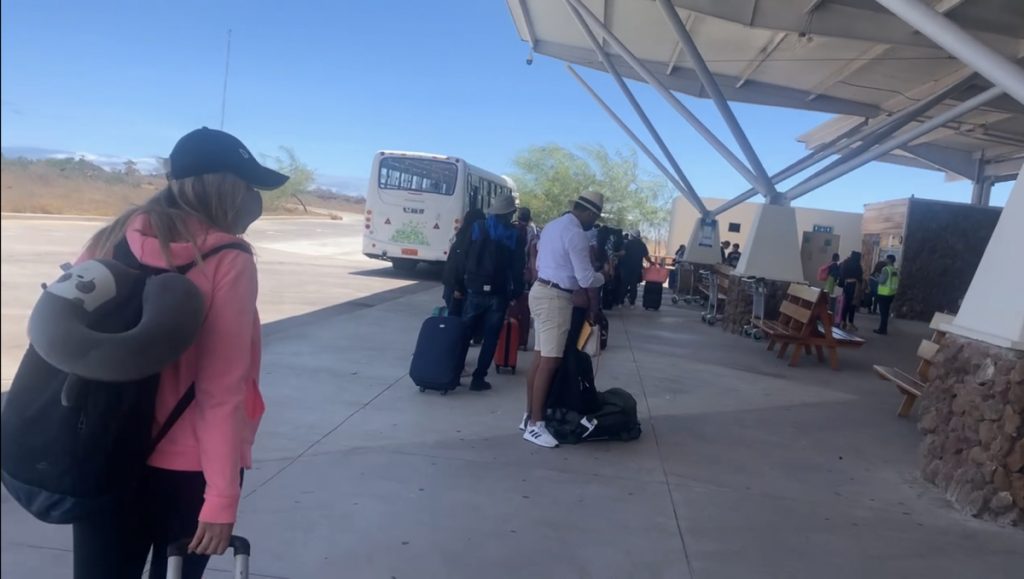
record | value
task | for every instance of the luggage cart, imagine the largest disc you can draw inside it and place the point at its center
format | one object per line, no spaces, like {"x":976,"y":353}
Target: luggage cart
{"x":756,"y":288}
{"x":693,"y":297}
{"x":711,"y":316}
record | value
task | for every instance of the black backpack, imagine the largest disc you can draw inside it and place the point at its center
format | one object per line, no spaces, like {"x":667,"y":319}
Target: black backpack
{"x":616,"y":419}
{"x":69,"y":445}
{"x":486,"y":268}
{"x":573,"y":386}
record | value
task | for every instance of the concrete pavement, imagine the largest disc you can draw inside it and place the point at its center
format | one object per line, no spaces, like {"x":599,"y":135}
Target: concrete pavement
{"x":747,"y":468}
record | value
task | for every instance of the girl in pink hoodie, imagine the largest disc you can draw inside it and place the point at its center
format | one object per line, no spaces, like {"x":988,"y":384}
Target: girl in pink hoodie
{"x":193,"y":478}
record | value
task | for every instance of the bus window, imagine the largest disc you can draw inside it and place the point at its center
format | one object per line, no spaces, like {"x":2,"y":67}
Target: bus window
{"x":423,"y":175}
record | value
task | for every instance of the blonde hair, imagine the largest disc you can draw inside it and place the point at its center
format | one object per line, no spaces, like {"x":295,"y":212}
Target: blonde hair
{"x":214,"y":200}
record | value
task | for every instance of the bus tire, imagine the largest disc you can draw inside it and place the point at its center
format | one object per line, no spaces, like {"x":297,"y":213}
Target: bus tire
{"x":404,"y":265}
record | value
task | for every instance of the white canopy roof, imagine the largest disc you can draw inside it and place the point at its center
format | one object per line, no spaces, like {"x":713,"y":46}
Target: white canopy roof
{"x":849,"y":57}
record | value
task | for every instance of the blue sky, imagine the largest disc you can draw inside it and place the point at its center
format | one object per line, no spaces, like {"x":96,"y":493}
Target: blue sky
{"x":339,"y":80}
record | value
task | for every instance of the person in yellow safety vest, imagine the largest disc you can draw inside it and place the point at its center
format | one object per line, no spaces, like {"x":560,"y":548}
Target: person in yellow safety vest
{"x":888,"y":285}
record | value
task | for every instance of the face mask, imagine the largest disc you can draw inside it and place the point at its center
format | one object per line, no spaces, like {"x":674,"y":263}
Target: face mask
{"x":250,"y":209}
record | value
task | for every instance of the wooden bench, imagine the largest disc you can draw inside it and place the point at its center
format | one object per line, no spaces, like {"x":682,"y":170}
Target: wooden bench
{"x":804,"y":322}
{"x":913,"y":385}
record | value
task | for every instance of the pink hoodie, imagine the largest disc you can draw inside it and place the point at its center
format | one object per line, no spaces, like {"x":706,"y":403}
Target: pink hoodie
{"x":216,"y":433}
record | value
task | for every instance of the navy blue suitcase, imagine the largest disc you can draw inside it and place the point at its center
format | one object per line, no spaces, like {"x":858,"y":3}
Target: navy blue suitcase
{"x":440,"y":354}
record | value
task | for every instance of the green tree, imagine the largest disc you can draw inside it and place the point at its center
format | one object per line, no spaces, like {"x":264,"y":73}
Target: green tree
{"x":301,"y":179}
{"x":550,"y":177}
{"x":131,"y":169}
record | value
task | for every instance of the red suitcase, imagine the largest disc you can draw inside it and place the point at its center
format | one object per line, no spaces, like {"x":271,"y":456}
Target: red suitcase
{"x":520,"y":312}
{"x":508,"y":346}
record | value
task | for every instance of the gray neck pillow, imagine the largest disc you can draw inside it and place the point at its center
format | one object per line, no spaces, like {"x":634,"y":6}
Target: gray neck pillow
{"x":88,"y":324}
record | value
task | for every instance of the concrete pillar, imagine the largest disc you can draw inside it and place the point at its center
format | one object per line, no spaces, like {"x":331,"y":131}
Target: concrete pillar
{"x":992,"y":310}
{"x":704,"y":245}
{"x":773,"y":246}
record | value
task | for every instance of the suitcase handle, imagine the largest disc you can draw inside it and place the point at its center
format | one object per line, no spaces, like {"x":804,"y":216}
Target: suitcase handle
{"x":177,"y":550}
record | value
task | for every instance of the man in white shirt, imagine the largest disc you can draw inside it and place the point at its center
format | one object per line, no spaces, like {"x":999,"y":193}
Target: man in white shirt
{"x":563,"y":266}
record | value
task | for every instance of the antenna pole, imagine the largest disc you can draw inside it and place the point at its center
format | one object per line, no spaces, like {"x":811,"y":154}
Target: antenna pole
{"x":224,"y":92}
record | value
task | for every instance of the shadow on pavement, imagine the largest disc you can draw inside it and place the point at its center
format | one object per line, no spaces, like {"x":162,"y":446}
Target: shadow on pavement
{"x":278,"y":327}
{"x":422,"y":273}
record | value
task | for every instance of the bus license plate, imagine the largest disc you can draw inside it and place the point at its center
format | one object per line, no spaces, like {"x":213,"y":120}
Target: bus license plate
{"x":412,"y":252}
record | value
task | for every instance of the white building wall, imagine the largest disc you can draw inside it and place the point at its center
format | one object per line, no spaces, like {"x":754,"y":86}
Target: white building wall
{"x":845,"y":224}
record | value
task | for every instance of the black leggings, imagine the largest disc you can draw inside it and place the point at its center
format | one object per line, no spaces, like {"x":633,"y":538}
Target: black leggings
{"x":164,"y":508}
{"x":849,"y":305}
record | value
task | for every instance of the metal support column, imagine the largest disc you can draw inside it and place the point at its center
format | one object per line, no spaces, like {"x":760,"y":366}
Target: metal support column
{"x":840,"y":144}
{"x":981,"y":193}
{"x":715,"y":92}
{"x":975,"y":54}
{"x":670,"y":98}
{"x":693,"y":199}
{"x":688,"y":190}
{"x":812,"y":183}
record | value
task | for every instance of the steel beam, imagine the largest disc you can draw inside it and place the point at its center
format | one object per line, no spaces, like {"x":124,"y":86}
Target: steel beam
{"x":840,"y":143}
{"x":841,"y":19}
{"x":531,"y":37}
{"x":762,"y":55}
{"x":688,"y":195}
{"x":847,"y":69}
{"x":942,"y":31}
{"x":868,"y":56}
{"x":689,"y":191}
{"x":715,"y":92}
{"x":675,"y":51}
{"x":670,"y":98}
{"x":812,"y":183}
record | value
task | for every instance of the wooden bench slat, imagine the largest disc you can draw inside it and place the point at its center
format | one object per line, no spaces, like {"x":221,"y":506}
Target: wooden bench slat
{"x":927,"y":350}
{"x":845,"y":338}
{"x":796,"y":312}
{"x":804,"y":292}
{"x":939,"y":319}
{"x":905,"y":382}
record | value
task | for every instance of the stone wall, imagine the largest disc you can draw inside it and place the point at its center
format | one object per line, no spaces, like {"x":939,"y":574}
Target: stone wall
{"x":943,"y":247}
{"x":971,"y":415}
{"x":739,"y":303}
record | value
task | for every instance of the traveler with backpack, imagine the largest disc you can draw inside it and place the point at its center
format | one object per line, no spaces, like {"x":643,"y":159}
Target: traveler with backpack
{"x":495,"y":262}
{"x":872,"y":294}
{"x":888,"y":285}
{"x":632,"y":265}
{"x":563,"y":266}
{"x":851,"y":276}
{"x":207,"y":404}
{"x":829,"y":273}
{"x":453,"y":278}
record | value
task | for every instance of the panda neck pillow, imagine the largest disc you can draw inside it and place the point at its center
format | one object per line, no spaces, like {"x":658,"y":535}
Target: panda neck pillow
{"x":106,"y":322}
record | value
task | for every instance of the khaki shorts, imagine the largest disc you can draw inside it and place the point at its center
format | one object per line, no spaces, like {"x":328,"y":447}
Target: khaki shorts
{"x":552,"y":315}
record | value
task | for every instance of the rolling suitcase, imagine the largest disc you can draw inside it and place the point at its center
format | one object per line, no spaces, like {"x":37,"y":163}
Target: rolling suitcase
{"x":521,"y":313}
{"x":507,"y":355}
{"x":176,"y":557}
{"x":652,"y":295}
{"x":440,"y":354}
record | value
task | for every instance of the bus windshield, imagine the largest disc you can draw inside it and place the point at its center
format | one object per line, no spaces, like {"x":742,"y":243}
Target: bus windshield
{"x":422,"y":175}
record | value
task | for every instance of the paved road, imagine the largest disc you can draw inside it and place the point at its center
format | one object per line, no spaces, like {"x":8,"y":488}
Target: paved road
{"x":306,"y":265}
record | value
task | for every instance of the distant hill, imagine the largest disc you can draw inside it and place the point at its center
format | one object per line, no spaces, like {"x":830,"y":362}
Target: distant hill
{"x":147,"y":165}
{"x":76,"y":186}
{"x":154,"y":165}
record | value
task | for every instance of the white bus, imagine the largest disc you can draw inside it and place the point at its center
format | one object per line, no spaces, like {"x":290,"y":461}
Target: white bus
{"x":416,"y":201}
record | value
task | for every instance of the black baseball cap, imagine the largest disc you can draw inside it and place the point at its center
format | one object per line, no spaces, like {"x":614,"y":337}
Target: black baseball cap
{"x":205,"y":151}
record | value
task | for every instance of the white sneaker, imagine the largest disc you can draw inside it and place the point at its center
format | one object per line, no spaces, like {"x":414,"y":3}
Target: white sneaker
{"x":539,"y":435}
{"x":525,"y":422}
